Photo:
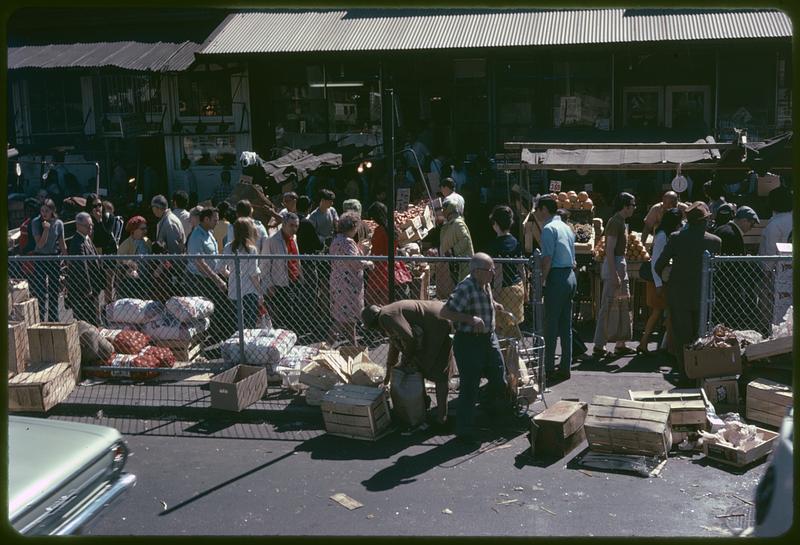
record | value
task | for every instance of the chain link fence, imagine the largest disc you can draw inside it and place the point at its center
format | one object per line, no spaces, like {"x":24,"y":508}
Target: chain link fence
{"x":746,"y":292}
{"x":162,"y":319}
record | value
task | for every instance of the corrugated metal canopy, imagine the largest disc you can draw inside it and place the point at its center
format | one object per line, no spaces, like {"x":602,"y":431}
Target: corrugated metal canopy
{"x":140,"y":56}
{"x":295,"y":31}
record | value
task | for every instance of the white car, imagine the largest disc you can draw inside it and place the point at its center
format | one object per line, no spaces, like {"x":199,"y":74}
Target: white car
{"x":62,"y":474}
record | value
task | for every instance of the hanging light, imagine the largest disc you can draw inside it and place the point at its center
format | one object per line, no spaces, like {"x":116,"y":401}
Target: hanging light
{"x":360,"y":168}
{"x":368,"y":164}
{"x":18,"y":169}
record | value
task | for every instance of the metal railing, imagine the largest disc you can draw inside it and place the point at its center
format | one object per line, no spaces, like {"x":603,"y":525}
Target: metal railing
{"x":288,"y":306}
{"x":745,"y":292}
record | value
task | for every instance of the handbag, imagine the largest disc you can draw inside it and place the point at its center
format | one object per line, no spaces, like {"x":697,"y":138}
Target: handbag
{"x":618,"y":323}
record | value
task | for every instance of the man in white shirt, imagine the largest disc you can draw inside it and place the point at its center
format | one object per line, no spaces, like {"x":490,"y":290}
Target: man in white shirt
{"x":448,"y":189}
{"x":779,"y":228}
{"x":180,"y":200}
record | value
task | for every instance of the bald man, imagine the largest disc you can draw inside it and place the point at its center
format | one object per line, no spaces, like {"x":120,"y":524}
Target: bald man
{"x":653,"y":218}
{"x":472,"y":309}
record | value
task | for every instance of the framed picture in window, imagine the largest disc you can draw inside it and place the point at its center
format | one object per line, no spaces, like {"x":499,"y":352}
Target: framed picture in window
{"x":642,"y":107}
{"x":688,"y":106}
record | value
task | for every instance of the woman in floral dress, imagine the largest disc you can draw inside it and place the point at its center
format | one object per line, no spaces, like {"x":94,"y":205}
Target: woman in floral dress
{"x":347,"y":280}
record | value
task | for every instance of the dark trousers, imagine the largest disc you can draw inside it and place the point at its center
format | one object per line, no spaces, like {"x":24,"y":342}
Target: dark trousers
{"x":86,"y":308}
{"x":285,"y":307}
{"x":478,"y":356}
{"x":559,"y":291}
{"x":46,"y":285}
{"x":223,"y":320}
{"x":249,"y":311}
{"x":685,"y":325}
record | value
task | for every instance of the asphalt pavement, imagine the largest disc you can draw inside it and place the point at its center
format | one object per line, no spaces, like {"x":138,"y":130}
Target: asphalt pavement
{"x":271,"y":470}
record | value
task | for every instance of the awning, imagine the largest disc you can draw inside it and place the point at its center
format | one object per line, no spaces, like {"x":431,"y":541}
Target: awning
{"x":299,"y":162}
{"x":609,"y":158}
{"x":318,"y":30}
{"x":139,"y":56}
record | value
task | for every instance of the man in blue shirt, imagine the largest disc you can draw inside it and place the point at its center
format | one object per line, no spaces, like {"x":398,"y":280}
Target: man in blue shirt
{"x":559,"y":285}
{"x":202,"y":278}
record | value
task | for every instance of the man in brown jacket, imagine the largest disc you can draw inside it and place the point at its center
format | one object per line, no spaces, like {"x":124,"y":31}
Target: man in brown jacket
{"x":685,"y":248}
{"x":415,"y":329}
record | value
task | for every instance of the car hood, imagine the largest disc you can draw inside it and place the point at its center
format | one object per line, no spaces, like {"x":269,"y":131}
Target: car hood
{"x":43,"y":454}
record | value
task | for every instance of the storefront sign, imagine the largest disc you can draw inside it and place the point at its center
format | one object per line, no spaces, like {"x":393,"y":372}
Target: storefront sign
{"x":403,"y":199}
{"x":555,"y":185}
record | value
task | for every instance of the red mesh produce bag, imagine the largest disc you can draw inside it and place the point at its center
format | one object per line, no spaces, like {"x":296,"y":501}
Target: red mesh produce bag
{"x":130,"y":342}
{"x":146,"y":361}
{"x":163,"y":355}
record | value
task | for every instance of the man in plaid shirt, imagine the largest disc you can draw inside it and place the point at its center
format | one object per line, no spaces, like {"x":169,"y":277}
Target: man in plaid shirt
{"x":472,"y":309}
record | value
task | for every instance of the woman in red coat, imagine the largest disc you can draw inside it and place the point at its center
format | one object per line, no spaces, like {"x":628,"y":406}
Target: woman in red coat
{"x":377,"y":279}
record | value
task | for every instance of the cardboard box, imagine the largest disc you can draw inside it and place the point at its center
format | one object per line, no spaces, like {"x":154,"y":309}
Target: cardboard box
{"x":238,"y":387}
{"x":41,"y":387}
{"x":722,"y":392}
{"x":768,"y":402}
{"x":27,"y":311}
{"x":52,"y":342}
{"x":357,"y":412}
{"x":712,"y":362}
{"x":558,"y":430}
{"x":18,"y":291}
{"x":628,"y":427}
{"x":737,"y":456}
{"x":18,"y":348}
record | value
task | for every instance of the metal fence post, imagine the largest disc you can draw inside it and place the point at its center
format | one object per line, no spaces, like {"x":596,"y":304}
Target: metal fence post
{"x":706,"y":281}
{"x":536,"y":293}
{"x":239,"y":305}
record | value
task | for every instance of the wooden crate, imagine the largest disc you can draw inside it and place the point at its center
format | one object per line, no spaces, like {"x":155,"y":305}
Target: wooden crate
{"x":628,"y":427}
{"x":52,"y":342}
{"x":27,"y":311}
{"x":558,"y":429}
{"x":687,"y":406}
{"x":184,"y":351}
{"x":419,"y":286}
{"x":768,"y":401}
{"x":18,"y":291}
{"x":41,"y":387}
{"x":739,"y":457}
{"x":357,"y":412}
{"x":768,"y":349}
{"x":19,"y":354}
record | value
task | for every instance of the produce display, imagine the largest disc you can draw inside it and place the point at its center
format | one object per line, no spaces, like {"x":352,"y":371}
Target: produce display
{"x":634,"y":249}
{"x":571,"y":200}
{"x":583,"y":232}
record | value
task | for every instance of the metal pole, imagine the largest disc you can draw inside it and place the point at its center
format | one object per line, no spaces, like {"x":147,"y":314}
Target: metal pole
{"x":705,"y":294}
{"x":536,"y":293}
{"x":388,"y":153}
{"x":239,"y":304}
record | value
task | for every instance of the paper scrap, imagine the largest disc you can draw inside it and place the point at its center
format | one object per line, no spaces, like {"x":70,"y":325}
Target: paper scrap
{"x":506,"y":502}
{"x":447,"y":511}
{"x":346,"y":501}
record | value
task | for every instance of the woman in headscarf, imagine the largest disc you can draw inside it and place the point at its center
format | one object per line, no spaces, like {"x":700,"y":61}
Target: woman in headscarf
{"x":133,"y":276}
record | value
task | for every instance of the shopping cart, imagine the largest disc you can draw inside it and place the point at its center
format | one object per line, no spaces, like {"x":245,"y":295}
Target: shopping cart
{"x":523,"y":354}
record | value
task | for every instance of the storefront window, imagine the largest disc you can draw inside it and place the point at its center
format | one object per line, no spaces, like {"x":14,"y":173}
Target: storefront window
{"x":55,"y":104}
{"x":642,"y":107}
{"x":204,"y":94}
{"x":582,"y":93}
{"x":131,"y":94}
{"x":210,"y":150}
{"x":783,"y":110}
{"x":746,"y":93}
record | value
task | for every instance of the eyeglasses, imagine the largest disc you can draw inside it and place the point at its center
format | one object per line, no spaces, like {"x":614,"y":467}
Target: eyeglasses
{"x":487,"y":270}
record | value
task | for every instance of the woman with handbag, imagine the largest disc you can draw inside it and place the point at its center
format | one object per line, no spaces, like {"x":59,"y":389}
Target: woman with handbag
{"x":656,"y":290}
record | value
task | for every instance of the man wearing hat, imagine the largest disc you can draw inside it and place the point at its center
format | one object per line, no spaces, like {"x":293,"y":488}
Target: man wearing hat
{"x":685,"y":249}
{"x":416,"y":331}
{"x":732,"y":233}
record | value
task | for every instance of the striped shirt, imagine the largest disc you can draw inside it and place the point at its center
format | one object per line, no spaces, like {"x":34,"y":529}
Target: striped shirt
{"x":470,"y":298}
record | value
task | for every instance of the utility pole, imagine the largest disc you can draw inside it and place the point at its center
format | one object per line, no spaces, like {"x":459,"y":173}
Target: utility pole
{"x":387,"y":106}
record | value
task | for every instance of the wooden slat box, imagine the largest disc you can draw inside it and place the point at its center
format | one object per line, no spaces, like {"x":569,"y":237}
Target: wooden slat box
{"x":687,"y":405}
{"x":27,"y":311}
{"x":182,"y":350}
{"x":18,"y":348}
{"x":768,"y":401}
{"x":52,"y":342}
{"x":18,"y":291}
{"x":768,"y":349}
{"x":40,"y":388}
{"x":628,"y":427}
{"x":358,"y":412}
{"x":737,"y":456}
{"x":558,"y":429}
